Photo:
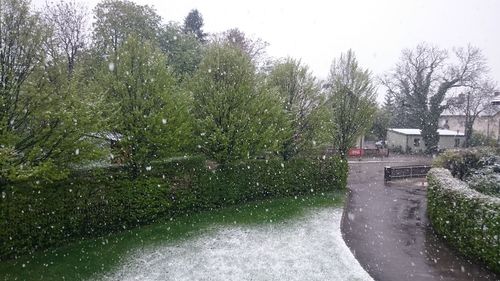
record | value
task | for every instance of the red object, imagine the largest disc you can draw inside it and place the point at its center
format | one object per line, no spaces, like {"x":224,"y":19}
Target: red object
{"x":355,"y":152}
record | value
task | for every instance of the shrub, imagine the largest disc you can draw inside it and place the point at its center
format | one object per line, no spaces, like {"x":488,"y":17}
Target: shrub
{"x":467,"y":219}
{"x":478,"y":139}
{"x":396,"y":149}
{"x":487,"y":183}
{"x":94,"y":202}
{"x":486,"y":179}
{"x":480,"y":167}
{"x":461,"y":162}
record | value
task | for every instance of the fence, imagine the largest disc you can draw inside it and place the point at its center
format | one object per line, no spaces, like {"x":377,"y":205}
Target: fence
{"x":368,"y":152}
{"x":401,"y":172}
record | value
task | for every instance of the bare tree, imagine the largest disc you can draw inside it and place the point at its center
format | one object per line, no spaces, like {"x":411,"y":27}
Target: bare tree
{"x":117,"y":20}
{"x":470,"y":103}
{"x":67,"y":22}
{"x":254,"y":48}
{"x":423,"y":78}
{"x":21,"y":38}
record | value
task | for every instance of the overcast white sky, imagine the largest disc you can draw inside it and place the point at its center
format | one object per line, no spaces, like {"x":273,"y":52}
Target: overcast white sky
{"x":317,"y":31}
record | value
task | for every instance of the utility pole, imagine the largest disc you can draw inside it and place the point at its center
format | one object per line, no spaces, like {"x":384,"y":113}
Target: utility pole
{"x":468,"y":121}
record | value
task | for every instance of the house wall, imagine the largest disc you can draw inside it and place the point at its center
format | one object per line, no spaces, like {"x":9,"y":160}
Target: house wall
{"x":486,"y":125}
{"x":395,"y":140}
{"x":420,"y":147}
{"x":449,"y":141}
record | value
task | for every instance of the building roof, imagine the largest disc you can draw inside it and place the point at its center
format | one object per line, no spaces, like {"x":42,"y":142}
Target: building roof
{"x":416,"y":132}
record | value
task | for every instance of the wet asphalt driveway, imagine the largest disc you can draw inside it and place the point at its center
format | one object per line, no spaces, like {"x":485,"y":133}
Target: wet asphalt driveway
{"x":386,"y":228}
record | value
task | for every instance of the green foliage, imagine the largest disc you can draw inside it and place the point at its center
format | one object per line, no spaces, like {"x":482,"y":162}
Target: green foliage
{"x":44,"y":113}
{"x":381,"y":120}
{"x":300,"y":97}
{"x":478,"y":139}
{"x":486,"y":179}
{"x":236,"y":116}
{"x":468,"y":220}
{"x":117,"y":20}
{"x":95,"y":202}
{"x":193,"y":24}
{"x":352,"y":101}
{"x":400,"y":112}
{"x":146,"y":109}
{"x":184,"y":52}
{"x":479,"y":167}
{"x":462,"y":162}
{"x":103,"y":254}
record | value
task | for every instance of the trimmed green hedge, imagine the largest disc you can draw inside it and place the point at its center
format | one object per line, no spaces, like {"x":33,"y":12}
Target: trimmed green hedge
{"x":467,"y":219}
{"x":99,"y":201}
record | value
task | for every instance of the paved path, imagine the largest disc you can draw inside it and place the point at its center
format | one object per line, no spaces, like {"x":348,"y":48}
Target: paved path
{"x":386,"y":228}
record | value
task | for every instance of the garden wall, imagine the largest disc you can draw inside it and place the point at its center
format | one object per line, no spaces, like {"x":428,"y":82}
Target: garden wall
{"x":467,"y":219}
{"x":36,"y":215}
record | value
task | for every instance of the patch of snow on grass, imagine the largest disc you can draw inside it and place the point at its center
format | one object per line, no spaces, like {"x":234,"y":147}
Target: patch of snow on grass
{"x":310,"y":248}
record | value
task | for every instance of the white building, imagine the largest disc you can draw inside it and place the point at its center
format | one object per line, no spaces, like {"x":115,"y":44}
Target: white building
{"x":410,"y":140}
{"x":487,"y":123}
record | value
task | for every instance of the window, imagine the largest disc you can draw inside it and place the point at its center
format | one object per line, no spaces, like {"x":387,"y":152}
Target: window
{"x":446,"y":126}
{"x":457,"y":142}
{"x":416,"y":142}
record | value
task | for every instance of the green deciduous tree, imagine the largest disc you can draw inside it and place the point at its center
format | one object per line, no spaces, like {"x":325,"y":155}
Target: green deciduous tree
{"x":301,"y":99}
{"x":183,"y":50}
{"x":352,"y":101}
{"x":43,"y":117}
{"x":21,"y":38}
{"x":237,"y":117}
{"x":145,"y":110}
{"x":381,"y":121}
{"x":116,"y":20}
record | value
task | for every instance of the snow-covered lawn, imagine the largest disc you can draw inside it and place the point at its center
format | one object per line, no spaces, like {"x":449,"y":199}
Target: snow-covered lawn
{"x":308,"y":248}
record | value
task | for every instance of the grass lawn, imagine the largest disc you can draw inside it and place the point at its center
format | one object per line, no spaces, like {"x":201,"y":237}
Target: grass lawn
{"x":83,"y":259}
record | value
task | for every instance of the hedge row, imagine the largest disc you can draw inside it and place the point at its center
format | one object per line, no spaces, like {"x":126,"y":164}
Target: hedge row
{"x":467,"y":219}
{"x":99,"y":201}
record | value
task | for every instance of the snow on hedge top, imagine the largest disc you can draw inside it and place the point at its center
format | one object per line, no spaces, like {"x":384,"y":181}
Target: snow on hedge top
{"x":416,"y":132}
{"x":448,"y":182}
